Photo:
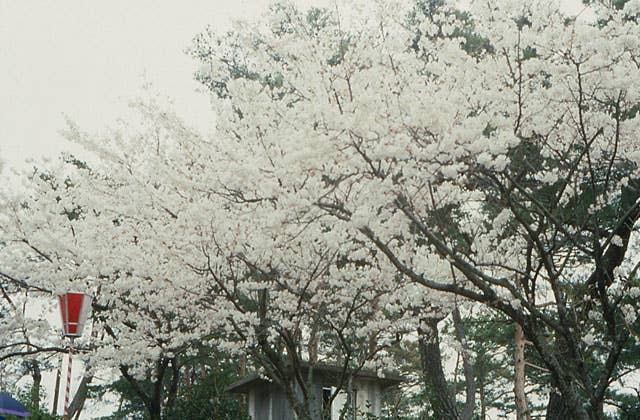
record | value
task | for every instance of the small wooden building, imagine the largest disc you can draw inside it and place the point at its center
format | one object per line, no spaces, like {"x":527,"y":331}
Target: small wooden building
{"x":267,"y":401}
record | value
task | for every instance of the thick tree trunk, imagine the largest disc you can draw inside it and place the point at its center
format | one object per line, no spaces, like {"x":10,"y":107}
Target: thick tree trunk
{"x":152,"y":402}
{"x":483,"y":403}
{"x":568,"y":401}
{"x":173,"y":388}
{"x":155,"y":410}
{"x":565,"y":376}
{"x":442,"y":403}
{"x":37,"y":380}
{"x":155,"y":404}
{"x":467,"y":367}
{"x":559,"y":409}
{"x":556,"y":408}
{"x":78,"y":409}
{"x":75,"y":407}
{"x":519,"y":383}
{"x":348,"y":412}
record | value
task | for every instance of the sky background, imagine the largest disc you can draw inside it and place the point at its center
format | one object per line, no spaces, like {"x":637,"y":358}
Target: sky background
{"x":86,"y":59}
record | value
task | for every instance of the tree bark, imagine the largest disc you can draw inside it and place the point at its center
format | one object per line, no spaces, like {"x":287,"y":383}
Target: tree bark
{"x":79,"y":410}
{"x":152,"y":402}
{"x":467,"y":367}
{"x":173,"y":388}
{"x":563,"y":376}
{"x":155,"y":404}
{"x":56,"y":392}
{"x":37,"y":380}
{"x":242,"y":365}
{"x":314,"y":341}
{"x":519,"y":383}
{"x":348,"y":411}
{"x":75,"y":407}
{"x":556,"y":408}
{"x":483,"y":403}
{"x":442,"y":403}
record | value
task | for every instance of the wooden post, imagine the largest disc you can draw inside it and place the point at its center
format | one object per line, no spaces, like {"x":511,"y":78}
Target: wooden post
{"x":56,"y":391}
{"x":54,"y":410}
{"x":522,"y":409}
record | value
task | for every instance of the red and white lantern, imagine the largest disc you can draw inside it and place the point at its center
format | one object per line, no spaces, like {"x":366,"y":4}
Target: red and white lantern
{"x":74,"y":308}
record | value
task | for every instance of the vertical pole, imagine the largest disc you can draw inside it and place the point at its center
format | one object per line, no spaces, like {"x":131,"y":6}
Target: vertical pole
{"x":56,"y":391}
{"x":68,"y":388}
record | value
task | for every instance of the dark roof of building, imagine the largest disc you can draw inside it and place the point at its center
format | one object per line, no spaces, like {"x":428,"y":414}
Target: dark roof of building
{"x":328,"y":373}
{"x":243,"y":385}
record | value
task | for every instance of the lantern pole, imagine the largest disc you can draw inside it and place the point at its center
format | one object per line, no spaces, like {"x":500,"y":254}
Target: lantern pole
{"x":68,"y":388}
{"x":74,"y":308}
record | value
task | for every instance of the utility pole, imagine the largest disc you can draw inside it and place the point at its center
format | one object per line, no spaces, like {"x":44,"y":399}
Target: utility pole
{"x":56,"y":391}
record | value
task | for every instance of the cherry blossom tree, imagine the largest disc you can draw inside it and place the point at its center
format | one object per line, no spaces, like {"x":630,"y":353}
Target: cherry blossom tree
{"x":49,"y":245}
{"x":507,"y":177}
{"x":85,"y":228}
{"x":178,"y":257}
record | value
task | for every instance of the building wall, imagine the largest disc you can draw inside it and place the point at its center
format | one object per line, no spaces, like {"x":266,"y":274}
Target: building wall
{"x":280,"y":407}
{"x":262,"y":403}
{"x":252,"y":403}
{"x":368,"y":399}
{"x":270,"y":403}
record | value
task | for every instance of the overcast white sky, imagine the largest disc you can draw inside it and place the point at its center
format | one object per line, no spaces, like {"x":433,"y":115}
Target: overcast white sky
{"x":86,"y":58}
